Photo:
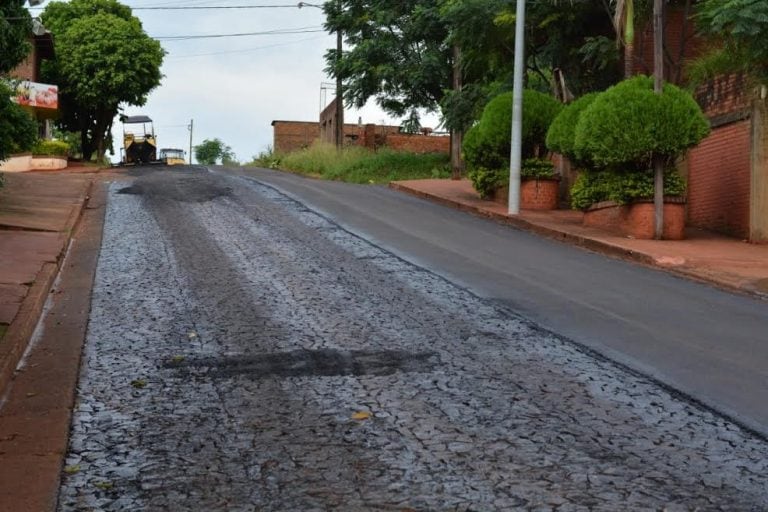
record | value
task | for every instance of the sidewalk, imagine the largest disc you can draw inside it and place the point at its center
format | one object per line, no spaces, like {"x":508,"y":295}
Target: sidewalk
{"x":705,"y":256}
{"x":38,"y":213}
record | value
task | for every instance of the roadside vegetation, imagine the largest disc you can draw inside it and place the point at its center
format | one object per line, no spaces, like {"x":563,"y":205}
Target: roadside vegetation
{"x":356,"y":164}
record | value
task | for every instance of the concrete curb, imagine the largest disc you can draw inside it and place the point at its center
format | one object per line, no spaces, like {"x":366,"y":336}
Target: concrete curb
{"x":20,"y":331}
{"x":591,"y":244}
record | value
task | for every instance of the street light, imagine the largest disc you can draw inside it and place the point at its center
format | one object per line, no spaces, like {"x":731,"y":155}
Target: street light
{"x":339,"y":128}
{"x":515,"y":156}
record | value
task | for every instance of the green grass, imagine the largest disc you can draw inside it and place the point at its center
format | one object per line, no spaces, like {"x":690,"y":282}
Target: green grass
{"x":359,"y":165}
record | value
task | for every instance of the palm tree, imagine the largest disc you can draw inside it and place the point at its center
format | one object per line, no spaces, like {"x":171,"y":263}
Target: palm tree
{"x":624,"y":23}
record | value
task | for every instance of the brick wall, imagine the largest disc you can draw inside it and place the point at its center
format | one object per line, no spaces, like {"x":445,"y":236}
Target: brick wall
{"x":719,"y":180}
{"x":293,"y":135}
{"x":419,"y":143}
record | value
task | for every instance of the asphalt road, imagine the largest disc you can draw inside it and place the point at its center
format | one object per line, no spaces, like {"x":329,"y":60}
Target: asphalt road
{"x":247,"y":353}
{"x":710,"y":344}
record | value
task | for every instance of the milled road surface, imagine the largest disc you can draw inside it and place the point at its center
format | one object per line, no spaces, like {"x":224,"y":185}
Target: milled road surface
{"x":245,"y":353}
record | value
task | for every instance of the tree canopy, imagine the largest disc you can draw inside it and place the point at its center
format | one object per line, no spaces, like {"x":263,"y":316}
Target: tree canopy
{"x":741,"y":29}
{"x":18,"y":130}
{"x":210,"y":151}
{"x":104,"y":60}
{"x":400,"y":53}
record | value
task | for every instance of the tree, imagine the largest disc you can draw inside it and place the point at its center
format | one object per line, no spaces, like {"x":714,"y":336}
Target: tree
{"x":210,"y":151}
{"x":18,"y":130}
{"x":104,"y":60}
{"x":741,"y":30}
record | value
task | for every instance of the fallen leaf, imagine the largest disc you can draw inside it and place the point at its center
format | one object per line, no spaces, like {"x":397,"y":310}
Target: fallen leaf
{"x":30,"y":395}
{"x":361,"y":415}
{"x":104,"y":486}
{"x":192,"y":334}
{"x":177,"y":359}
{"x":139,"y":383}
{"x":71,"y":470}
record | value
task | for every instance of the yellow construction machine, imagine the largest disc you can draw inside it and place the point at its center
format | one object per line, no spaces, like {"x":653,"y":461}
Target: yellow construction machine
{"x":139,"y":141}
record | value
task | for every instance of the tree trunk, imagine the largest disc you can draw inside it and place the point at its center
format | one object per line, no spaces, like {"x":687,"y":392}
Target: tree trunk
{"x":629,"y":59}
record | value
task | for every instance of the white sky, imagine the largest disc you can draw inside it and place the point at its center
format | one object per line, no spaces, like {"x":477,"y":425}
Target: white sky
{"x":235,"y":87}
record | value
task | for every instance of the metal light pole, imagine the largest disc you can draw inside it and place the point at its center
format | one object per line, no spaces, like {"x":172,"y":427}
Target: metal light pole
{"x":515,"y":157}
{"x":658,"y":86}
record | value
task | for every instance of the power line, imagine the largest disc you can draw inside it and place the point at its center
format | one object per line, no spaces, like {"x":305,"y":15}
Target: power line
{"x":244,"y":50}
{"x":302,"y":30}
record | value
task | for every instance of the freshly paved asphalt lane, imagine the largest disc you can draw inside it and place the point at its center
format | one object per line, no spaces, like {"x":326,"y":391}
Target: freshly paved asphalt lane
{"x":246,"y":353}
{"x":710,"y":344}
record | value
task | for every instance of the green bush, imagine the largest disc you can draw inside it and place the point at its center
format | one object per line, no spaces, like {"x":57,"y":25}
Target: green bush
{"x":50,"y":148}
{"x":621,"y":187}
{"x":628,"y":125}
{"x":488,"y":143}
{"x":485,"y":181}
{"x":537,"y":168}
{"x":562,"y":132}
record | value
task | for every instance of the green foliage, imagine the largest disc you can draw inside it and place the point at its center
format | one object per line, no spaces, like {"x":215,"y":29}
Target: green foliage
{"x":359,"y":165}
{"x":629,"y":125}
{"x":562,"y":132}
{"x":210,"y":151}
{"x":267,"y":159}
{"x":18,"y":131}
{"x":485,"y":181}
{"x":395,"y":53}
{"x":104,"y":59}
{"x":15,"y":27}
{"x":50,"y":148}
{"x":537,"y":169}
{"x":592,"y":187}
{"x":742,"y":29}
{"x":489,"y":145}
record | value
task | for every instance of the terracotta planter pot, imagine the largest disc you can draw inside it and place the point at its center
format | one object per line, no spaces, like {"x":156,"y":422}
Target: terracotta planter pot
{"x":541,"y":194}
{"x":637,"y":219}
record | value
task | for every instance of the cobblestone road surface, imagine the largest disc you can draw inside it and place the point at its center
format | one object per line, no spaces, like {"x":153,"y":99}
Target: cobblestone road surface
{"x":245,"y":353}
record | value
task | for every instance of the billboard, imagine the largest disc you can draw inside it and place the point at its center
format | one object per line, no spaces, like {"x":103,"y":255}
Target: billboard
{"x":33,"y":94}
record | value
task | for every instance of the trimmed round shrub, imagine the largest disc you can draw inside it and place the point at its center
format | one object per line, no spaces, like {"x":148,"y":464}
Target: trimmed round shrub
{"x":628,"y":125}
{"x":490,"y":145}
{"x":562,"y":132}
{"x":621,"y":187}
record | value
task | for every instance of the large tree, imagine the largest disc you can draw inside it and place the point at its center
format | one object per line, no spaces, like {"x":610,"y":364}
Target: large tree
{"x":400,"y":53}
{"x":104,"y":60}
{"x":18,"y":130}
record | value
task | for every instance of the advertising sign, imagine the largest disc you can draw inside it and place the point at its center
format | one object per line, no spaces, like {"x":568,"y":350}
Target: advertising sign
{"x":33,"y":94}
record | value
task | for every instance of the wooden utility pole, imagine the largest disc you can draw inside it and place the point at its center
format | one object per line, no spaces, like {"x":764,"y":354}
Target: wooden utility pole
{"x":658,"y":86}
{"x":339,"y":138}
{"x":191,"y":126}
{"x":456,"y":135}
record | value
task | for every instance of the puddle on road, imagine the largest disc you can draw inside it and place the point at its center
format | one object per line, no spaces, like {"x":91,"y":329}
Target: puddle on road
{"x":310,"y":363}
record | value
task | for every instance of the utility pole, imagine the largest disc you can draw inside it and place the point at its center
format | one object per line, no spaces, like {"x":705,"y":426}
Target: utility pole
{"x":515,"y":157}
{"x":190,"y":126}
{"x":456,"y":135}
{"x":339,"y":91}
{"x":339,"y":131}
{"x":658,"y":87}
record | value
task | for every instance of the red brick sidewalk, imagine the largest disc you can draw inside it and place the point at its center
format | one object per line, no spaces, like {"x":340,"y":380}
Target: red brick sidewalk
{"x":704,"y":256}
{"x":37,"y":215}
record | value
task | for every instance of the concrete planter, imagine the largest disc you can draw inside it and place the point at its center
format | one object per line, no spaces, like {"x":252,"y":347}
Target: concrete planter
{"x":541,"y":194}
{"x":636,"y":220}
{"x":24,"y":162}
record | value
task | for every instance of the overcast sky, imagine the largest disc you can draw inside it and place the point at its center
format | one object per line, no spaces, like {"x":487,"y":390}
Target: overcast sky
{"x":234,"y":87}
